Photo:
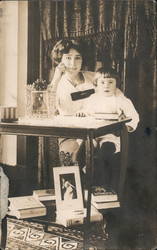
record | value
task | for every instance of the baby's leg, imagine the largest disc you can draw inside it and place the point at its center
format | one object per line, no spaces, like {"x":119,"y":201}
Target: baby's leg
{"x":104,"y":163}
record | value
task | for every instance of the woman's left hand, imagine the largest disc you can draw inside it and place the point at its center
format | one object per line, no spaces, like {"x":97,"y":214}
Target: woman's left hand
{"x":81,"y":114}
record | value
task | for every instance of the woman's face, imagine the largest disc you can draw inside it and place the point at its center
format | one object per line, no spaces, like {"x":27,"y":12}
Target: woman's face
{"x":72,"y":61}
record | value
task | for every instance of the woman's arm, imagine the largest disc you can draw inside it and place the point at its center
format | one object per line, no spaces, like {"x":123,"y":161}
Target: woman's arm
{"x":59,"y":71}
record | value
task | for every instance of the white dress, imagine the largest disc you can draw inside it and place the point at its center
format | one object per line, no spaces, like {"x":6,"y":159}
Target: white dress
{"x":64,"y":102}
{"x":98,"y":103}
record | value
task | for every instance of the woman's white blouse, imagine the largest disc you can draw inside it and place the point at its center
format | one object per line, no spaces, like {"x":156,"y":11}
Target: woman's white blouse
{"x":64,"y":102}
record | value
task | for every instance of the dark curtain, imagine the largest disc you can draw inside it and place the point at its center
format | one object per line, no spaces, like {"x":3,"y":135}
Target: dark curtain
{"x":121,"y":33}
{"x":97,"y":23}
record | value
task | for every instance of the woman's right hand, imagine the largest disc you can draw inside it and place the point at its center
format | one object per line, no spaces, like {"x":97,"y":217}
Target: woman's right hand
{"x":59,"y":71}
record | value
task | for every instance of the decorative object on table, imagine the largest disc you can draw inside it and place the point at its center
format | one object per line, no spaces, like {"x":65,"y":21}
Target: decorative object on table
{"x":103,"y":194}
{"x":44,"y":194}
{"x":39,"y":100}
{"x":26,"y":207}
{"x":8,"y":114}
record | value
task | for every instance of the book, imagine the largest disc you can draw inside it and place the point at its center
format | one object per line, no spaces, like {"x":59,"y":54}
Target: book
{"x":69,"y":218}
{"x":106,"y":205}
{"x":102,"y":194}
{"x":44,"y":194}
{"x":106,"y":116}
{"x":26,"y":207}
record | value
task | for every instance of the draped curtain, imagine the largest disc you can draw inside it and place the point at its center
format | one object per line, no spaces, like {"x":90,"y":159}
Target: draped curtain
{"x":97,"y":23}
{"x":123,"y":34}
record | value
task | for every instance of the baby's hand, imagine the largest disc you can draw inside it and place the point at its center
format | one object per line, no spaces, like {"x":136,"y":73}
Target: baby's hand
{"x":121,"y":115}
{"x":130,"y":129}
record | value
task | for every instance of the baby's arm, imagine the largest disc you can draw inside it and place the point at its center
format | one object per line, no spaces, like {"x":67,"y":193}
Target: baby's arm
{"x":128,"y":110}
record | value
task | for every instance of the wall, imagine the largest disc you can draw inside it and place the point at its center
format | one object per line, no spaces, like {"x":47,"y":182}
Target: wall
{"x":13,"y":67}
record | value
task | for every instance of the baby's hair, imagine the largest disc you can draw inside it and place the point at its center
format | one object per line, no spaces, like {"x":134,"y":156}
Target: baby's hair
{"x":63,"y":47}
{"x":108,"y":72}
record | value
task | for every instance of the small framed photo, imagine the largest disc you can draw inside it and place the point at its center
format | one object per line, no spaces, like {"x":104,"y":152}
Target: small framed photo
{"x":39,"y":102}
{"x":68,"y":189}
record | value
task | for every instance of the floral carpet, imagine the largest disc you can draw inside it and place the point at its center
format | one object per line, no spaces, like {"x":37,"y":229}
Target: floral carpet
{"x":23,"y":235}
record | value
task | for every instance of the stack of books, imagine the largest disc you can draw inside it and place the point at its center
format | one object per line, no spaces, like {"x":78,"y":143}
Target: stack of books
{"x":104,"y":198}
{"x":44,"y":194}
{"x":76,"y":217}
{"x":26,"y":207}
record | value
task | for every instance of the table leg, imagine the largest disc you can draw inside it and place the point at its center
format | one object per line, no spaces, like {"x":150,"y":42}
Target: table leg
{"x":124,"y":160}
{"x":89,"y":177}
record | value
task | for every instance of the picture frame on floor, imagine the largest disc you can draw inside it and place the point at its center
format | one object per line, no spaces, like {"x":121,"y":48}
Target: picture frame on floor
{"x":68,"y":188}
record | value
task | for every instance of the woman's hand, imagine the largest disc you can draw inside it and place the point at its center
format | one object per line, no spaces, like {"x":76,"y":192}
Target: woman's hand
{"x":59,"y":71}
{"x":81,"y":114}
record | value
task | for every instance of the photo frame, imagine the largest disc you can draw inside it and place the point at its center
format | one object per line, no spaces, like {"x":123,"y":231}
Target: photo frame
{"x":68,"y":188}
{"x":39,"y":103}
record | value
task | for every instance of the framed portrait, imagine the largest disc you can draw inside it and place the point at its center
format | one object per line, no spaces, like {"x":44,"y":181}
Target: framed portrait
{"x":39,"y":103}
{"x":68,"y":188}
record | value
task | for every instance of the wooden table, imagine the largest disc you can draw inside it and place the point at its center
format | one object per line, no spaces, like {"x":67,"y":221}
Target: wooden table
{"x":73,"y":128}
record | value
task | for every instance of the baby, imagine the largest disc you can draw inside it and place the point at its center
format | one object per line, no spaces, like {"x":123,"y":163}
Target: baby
{"x":107,"y":101}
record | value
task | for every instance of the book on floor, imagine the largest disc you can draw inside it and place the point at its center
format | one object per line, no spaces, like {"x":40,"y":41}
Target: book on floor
{"x":106,"y":205}
{"x":102,"y":194}
{"x":76,"y":217}
{"x":44,"y":194}
{"x":26,"y":207}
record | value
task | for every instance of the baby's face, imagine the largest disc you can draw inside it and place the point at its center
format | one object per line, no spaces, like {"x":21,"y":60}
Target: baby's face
{"x":106,"y":85}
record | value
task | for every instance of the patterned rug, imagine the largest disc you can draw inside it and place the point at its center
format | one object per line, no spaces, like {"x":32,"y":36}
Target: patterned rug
{"x":23,"y":235}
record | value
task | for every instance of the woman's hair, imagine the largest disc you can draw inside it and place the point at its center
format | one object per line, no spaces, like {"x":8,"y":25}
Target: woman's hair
{"x":108,"y":72}
{"x":63,"y":47}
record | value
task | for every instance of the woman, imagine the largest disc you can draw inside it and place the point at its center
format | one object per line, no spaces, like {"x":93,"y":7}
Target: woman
{"x":69,"y":77}
{"x":69,"y":190}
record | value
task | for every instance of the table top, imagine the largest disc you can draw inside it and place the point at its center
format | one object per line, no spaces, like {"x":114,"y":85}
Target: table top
{"x":74,"y":127}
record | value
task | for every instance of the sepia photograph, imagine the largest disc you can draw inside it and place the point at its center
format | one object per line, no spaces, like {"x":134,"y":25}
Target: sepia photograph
{"x":68,"y":188}
{"x":39,"y":102}
{"x":78,"y":116}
